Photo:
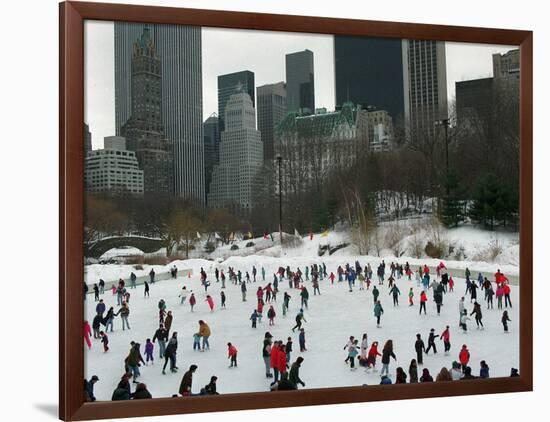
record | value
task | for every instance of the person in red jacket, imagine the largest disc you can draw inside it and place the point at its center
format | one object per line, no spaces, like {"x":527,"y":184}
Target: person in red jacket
{"x":507,"y":291}
{"x":260,"y":294}
{"x":464,"y":357}
{"x":451,"y":284}
{"x":281,"y":359}
{"x":426,"y":269}
{"x":273,"y":361}
{"x":87,"y":333}
{"x":232,"y":354}
{"x":371,"y":356}
{"x":500,"y":278}
{"x":446,"y":338}
{"x":423,"y":300}
{"x":210,"y":302}
{"x":332,"y":277}
{"x":192,"y":301}
{"x":260,"y":309}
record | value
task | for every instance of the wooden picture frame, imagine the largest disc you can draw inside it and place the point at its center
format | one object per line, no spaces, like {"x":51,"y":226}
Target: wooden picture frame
{"x":71,"y":205}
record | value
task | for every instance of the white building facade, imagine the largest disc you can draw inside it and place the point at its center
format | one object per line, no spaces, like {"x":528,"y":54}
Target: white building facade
{"x":235,"y":178}
{"x":113,"y":169}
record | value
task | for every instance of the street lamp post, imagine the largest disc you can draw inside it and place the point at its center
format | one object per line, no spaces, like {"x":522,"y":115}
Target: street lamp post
{"x":279,"y":162}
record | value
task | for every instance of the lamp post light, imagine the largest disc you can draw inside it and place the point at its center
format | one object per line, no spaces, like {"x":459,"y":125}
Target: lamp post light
{"x":445,"y":124}
{"x":279,"y":162}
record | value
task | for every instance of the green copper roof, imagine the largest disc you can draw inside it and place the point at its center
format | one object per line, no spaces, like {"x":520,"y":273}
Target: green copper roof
{"x":318,"y":124}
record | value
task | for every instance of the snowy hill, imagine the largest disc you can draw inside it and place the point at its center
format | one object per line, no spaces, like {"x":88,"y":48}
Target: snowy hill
{"x":474,"y":248}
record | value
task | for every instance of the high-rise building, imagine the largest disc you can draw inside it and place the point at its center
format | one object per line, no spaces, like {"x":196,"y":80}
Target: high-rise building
{"x":372,"y":72}
{"x":211,"y":148}
{"x":300,"y":84}
{"x":506,"y":65}
{"x":227,"y":85}
{"x":113,"y":169}
{"x":479,"y":101}
{"x":179,"y":50}
{"x":87,"y":139}
{"x":407,"y":78}
{"x":144,"y":129}
{"x":427,"y":70}
{"x":236,"y":178}
{"x":473,"y":99}
{"x":271,"y":111}
{"x":380,"y":130}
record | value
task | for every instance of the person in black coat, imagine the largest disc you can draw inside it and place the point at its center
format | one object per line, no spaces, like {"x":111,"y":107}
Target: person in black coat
{"x":96,"y":325}
{"x":170,"y":353}
{"x":210,"y":389}
{"x":387,"y":352}
{"x":426,"y":377}
{"x":121,"y":393}
{"x":141,"y":392}
{"x":420,"y":349}
{"x":284,"y":384}
{"x":89,"y":388}
{"x":400,"y":376}
{"x":431,"y":341}
{"x":468,"y":374}
{"x":473,"y":292}
{"x":85,"y":289}
{"x":162,"y":336}
{"x":294,"y":375}
{"x":478,"y":315}
{"x":438,"y":297}
{"x":109,"y":318}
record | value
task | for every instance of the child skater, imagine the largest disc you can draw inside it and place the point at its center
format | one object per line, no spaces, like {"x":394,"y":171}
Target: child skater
{"x":302,"y":340}
{"x":371,"y":359}
{"x":505,"y":321}
{"x":104,"y":340}
{"x":232,"y":354}
{"x":149,"y":351}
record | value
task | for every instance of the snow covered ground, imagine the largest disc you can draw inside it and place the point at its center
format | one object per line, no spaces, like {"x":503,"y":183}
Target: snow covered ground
{"x":473,"y":247}
{"x":331,"y":319}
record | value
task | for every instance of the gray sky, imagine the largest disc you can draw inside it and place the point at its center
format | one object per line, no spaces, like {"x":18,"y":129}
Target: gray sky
{"x":262,"y":52}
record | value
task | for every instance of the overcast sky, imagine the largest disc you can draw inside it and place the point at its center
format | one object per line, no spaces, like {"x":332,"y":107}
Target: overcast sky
{"x":262,"y":52}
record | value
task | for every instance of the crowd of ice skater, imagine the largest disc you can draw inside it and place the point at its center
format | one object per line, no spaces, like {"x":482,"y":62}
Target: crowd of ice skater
{"x":280,"y":371}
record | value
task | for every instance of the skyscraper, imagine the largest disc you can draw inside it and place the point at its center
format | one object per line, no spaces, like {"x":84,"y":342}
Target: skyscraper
{"x":144,"y":129}
{"x":407,"y":78}
{"x":211,"y":148}
{"x":227,"y":84}
{"x":235,"y":178}
{"x":87,"y":139}
{"x":300,"y":85}
{"x":427,"y":70}
{"x":179,"y":50}
{"x":506,"y":65}
{"x":473,"y":100}
{"x":372,"y":72}
{"x":271,"y":111}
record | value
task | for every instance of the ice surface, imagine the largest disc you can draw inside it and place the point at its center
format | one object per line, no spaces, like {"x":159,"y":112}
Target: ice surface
{"x":331,"y":319}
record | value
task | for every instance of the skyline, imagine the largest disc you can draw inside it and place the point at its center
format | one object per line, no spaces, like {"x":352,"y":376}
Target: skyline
{"x":222,"y":55}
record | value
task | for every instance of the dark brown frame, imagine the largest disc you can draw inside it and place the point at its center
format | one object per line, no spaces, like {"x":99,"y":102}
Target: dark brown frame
{"x":71,"y":206}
